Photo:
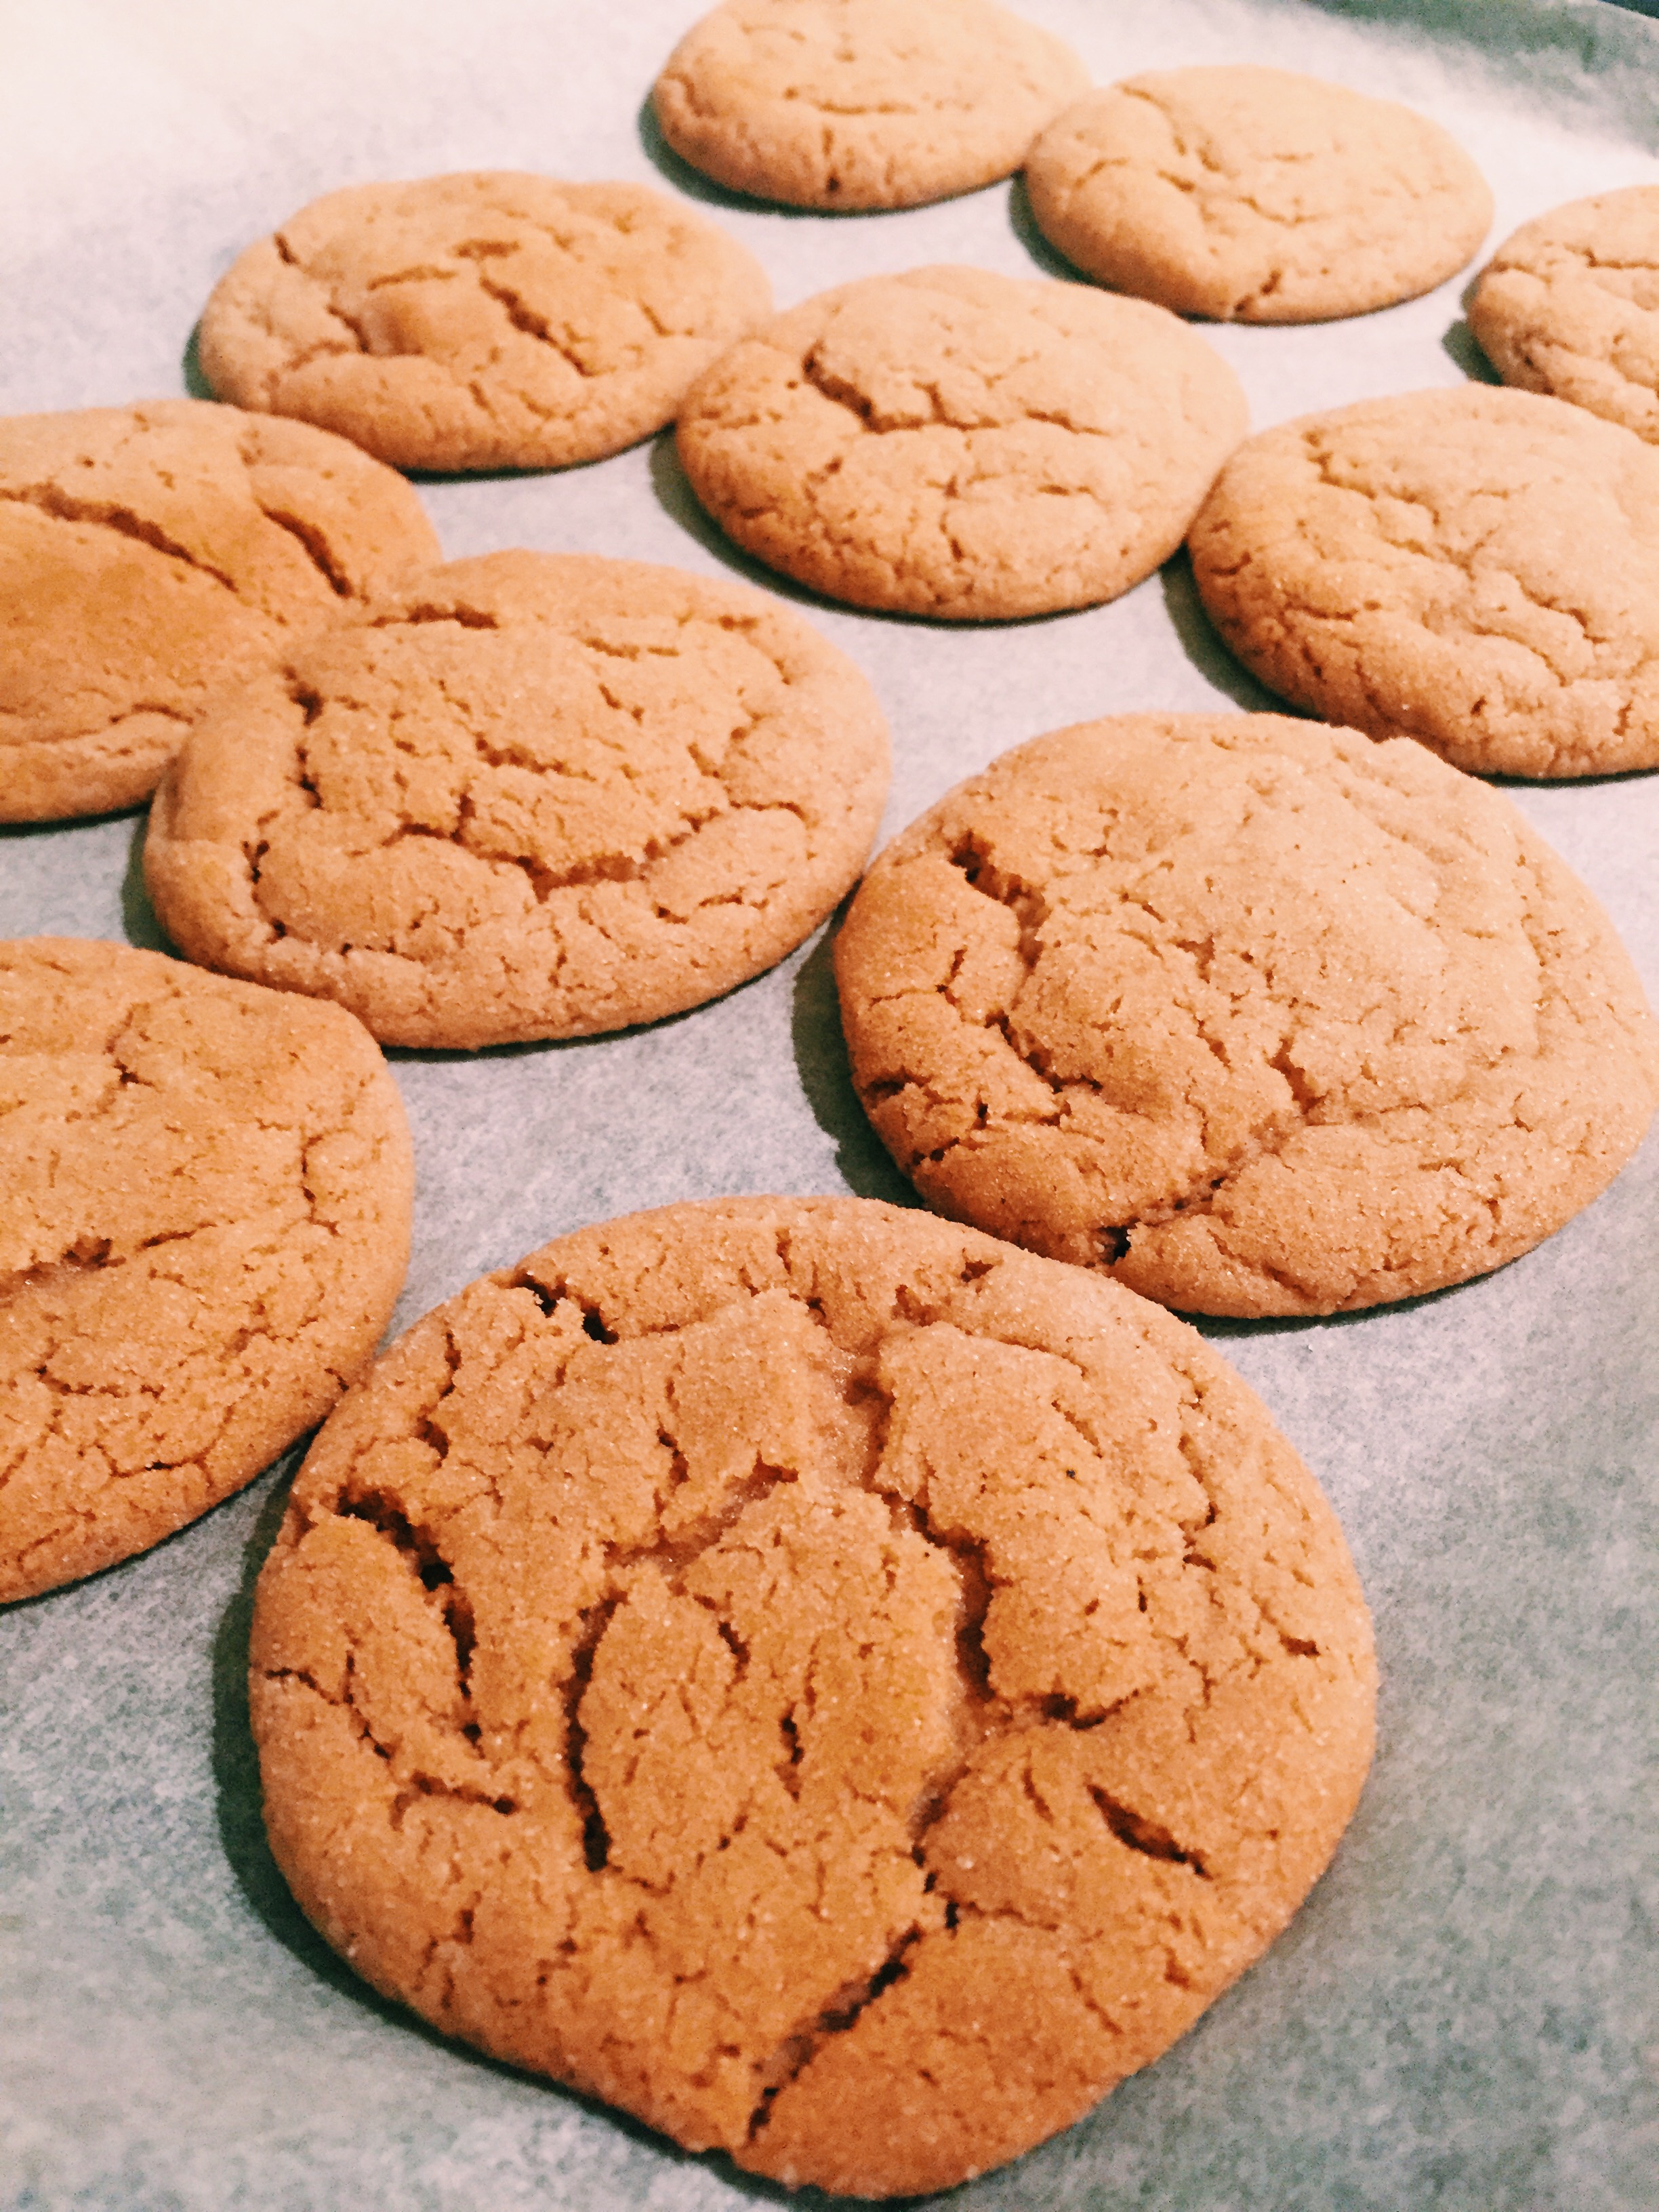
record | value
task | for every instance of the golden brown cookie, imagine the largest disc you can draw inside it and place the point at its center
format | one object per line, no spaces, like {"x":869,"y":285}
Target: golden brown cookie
{"x":536,"y":795}
{"x":1475,"y":568}
{"x":1256,"y":1017}
{"x":843,"y":104}
{"x":1570,"y":306}
{"x":205,"y":1228}
{"x":840,"y":1688}
{"x":487,"y":320}
{"x":1255,"y":195}
{"x":149,"y":552}
{"x":958,"y":444}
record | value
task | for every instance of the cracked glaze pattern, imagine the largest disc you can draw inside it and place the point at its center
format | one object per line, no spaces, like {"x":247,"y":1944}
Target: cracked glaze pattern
{"x":954,"y":443}
{"x":482,"y":320}
{"x":837,"y":1686}
{"x":1259,"y":1018}
{"x":149,"y":552}
{"x":846,"y":104}
{"x":1478,"y":568}
{"x":535,"y":795}
{"x":206,"y":1223}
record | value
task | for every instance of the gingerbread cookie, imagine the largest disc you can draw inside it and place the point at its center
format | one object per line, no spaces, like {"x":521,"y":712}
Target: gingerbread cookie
{"x":844,"y":104}
{"x":1475,"y":568}
{"x":962,"y":445}
{"x":536,"y":795}
{"x":149,"y":552}
{"x":1570,"y":306}
{"x":1256,"y":1017}
{"x":207,"y":1191}
{"x":1255,"y":195}
{"x":840,"y":1688}
{"x":487,"y":320}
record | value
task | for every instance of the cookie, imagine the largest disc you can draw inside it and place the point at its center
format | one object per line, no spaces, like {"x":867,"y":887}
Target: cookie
{"x":208,"y":1192}
{"x":1255,"y":195}
{"x":487,"y":320}
{"x":1477,"y":568}
{"x":840,"y":1688}
{"x":1258,"y":1017}
{"x":846,"y":104}
{"x":958,"y":444}
{"x":1570,"y":306}
{"x":149,"y":552}
{"x":536,"y":795}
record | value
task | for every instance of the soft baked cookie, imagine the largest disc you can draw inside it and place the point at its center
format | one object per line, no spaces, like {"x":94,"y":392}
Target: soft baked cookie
{"x":1255,"y":195}
{"x":1257,"y":1017}
{"x":1569,"y":305}
{"x":534,"y":795}
{"x":205,"y":1228}
{"x":146,"y":553}
{"x":843,"y":104}
{"x":954,"y":443}
{"x":1475,"y":568}
{"x":486,"y":320}
{"x":841,"y":1689}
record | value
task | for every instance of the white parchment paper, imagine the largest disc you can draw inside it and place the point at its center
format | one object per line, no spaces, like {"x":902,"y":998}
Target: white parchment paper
{"x":1463,"y":2016}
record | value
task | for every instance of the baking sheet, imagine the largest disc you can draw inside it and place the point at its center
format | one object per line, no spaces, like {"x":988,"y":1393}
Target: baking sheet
{"x":1463,"y":2015}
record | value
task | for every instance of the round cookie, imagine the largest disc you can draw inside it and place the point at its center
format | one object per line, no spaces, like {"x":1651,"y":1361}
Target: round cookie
{"x":1257,"y":1017}
{"x":1570,"y":306}
{"x":958,"y":444}
{"x":536,"y":795}
{"x":487,"y":320}
{"x":847,"y":104}
{"x":1475,"y":568}
{"x":208,"y":1192}
{"x":840,"y":1688}
{"x":1255,"y":195}
{"x":149,"y":552}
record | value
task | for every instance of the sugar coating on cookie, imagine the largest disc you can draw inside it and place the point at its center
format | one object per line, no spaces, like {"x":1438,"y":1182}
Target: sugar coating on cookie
{"x":844,"y":1690}
{"x":1476,"y":568}
{"x":485,"y":320}
{"x":954,"y":443}
{"x":1256,"y":1017}
{"x":149,"y":552}
{"x":1570,"y":306}
{"x":206,"y":1224}
{"x":1255,"y":195}
{"x":534,"y":795}
{"x":847,"y":104}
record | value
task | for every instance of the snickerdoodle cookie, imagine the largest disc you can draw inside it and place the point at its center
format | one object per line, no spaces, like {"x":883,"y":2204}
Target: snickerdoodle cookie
{"x":954,"y":443}
{"x":533,"y":795}
{"x":205,"y":1227}
{"x":1475,"y":568}
{"x":1570,"y":306}
{"x":1255,"y":195}
{"x":1257,"y":1017}
{"x":844,"y":104}
{"x":841,"y":1689}
{"x":487,"y":320}
{"x":146,"y":553}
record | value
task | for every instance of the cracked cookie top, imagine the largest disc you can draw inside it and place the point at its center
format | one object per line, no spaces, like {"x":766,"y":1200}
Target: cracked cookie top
{"x":1475,"y":568}
{"x":1257,"y":1017}
{"x":1570,"y":306}
{"x":844,"y":104}
{"x":205,"y":1228}
{"x":149,"y":552}
{"x":954,"y":443}
{"x":839,"y":1687}
{"x":533,"y":795}
{"x":1255,"y":195}
{"x":486,"y":320}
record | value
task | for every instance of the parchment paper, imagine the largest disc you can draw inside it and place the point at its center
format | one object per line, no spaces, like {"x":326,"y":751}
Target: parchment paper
{"x":1462,"y":2016}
